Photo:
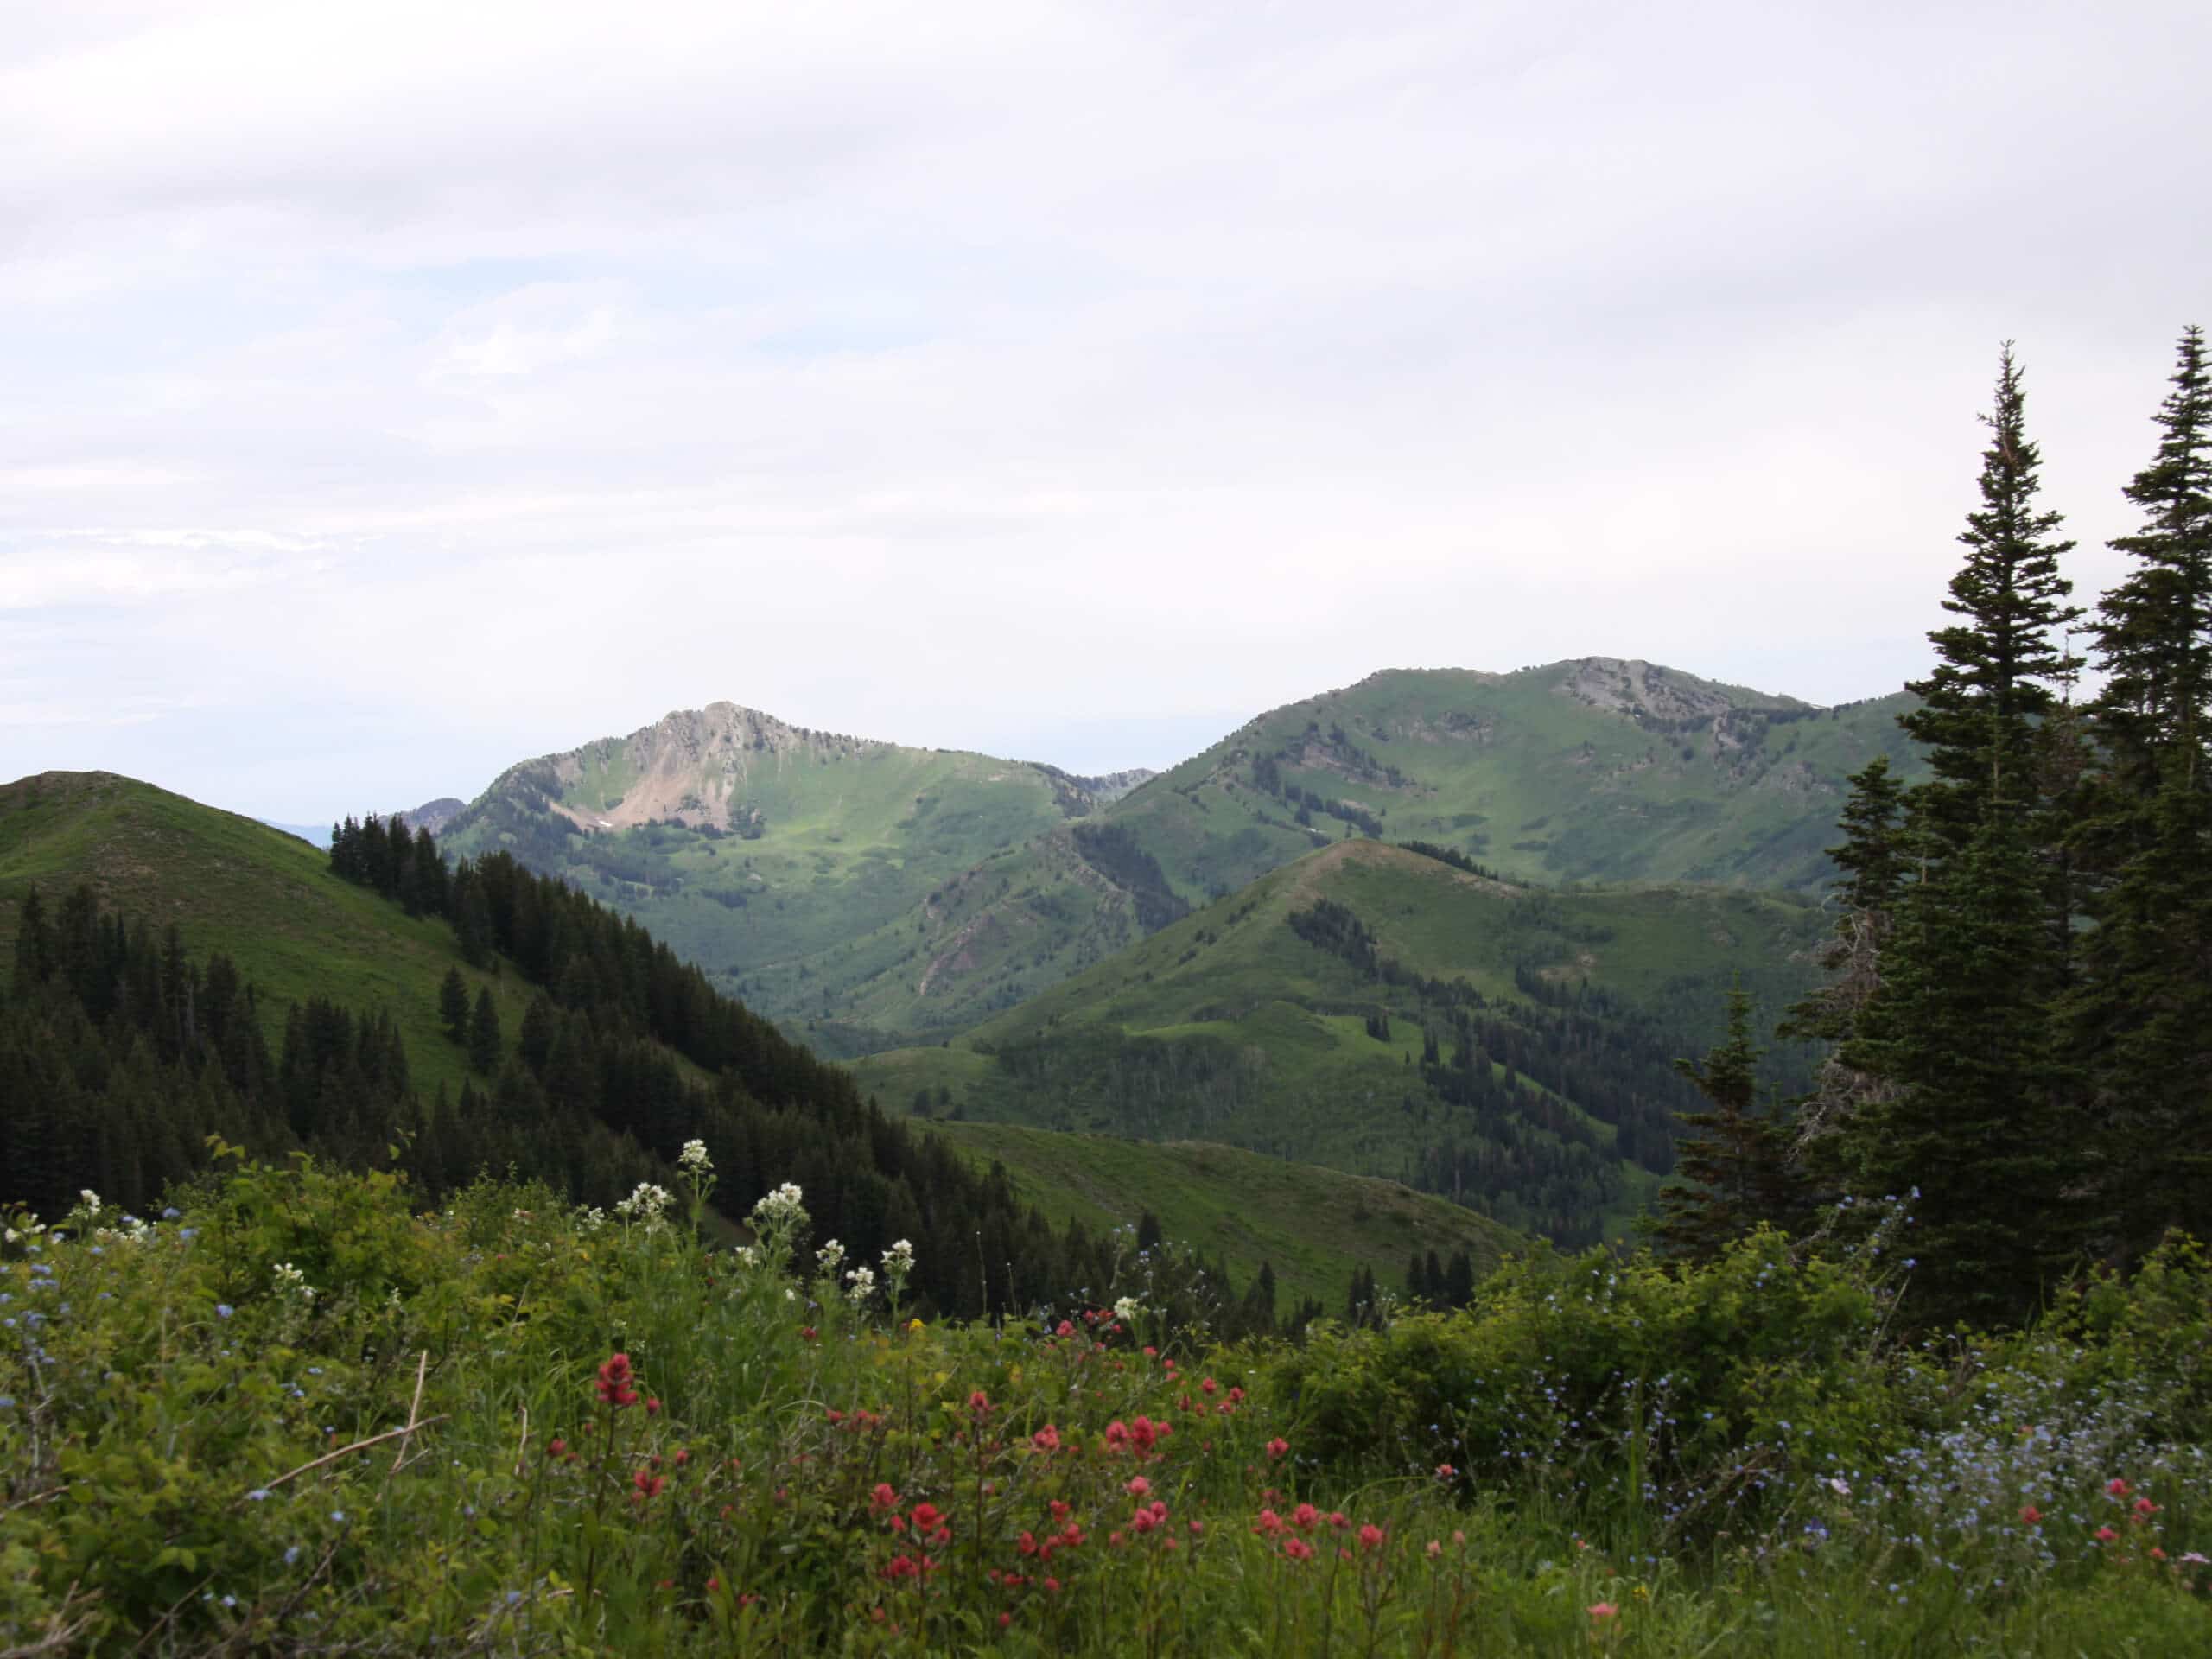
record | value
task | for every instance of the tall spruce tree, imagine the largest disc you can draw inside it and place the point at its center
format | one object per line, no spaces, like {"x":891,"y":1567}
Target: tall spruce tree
{"x":1973,"y":1134}
{"x":483,"y":1034}
{"x":1969,"y":1099}
{"x":1873,"y":860}
{"x":1735,"y":1167}
{"x":452,"y":1005}
{"x":1980,"y":706}
{"x":2142,"y":1018}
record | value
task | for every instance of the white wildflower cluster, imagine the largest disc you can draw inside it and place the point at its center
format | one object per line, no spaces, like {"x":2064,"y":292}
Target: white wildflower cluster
{"x":898,"y":1260}
{"x":134,"y":1230}
{"x":747,"y":1257}
{"x":832,"y":1257}
{"x":589,"y":1219}
{"x":780,"y":1208}
{"x":693,"y":1160}
{"x":90,"y":1200}
{"x":648,"y":1203}
{"x":860,"y":1285}
{"x":1127,"y":1309}
{"x":290,"y":1281}
{"x":778,"y":1220}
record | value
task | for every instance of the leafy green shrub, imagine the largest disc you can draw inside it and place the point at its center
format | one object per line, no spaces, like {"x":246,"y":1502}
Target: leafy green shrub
{"x":294,"y":1416}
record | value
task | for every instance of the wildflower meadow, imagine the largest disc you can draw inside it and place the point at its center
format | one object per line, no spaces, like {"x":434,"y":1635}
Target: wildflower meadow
{"x":293,"y":1414}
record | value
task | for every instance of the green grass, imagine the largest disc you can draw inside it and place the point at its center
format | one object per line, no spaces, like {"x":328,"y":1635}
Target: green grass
{"x":898,"y":893}
{"x":265,"y":899}
{"x":864,"y":871}
{"x":1313,"y":1226}
{"x":1596,"y":1458}
{"x":1247,"y":1034}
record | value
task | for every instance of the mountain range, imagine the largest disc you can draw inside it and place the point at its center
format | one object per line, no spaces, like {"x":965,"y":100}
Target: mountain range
{"x":304,"y":936}
{"x":1442,"y":930}
{"x":871,"y":894}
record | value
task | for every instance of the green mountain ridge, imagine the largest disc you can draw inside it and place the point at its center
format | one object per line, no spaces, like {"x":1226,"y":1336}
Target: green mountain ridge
{"x":867,"y":894}
{"x":265,"y":899}
{"x":1295,"y":1018}
{"x":296,"y":930}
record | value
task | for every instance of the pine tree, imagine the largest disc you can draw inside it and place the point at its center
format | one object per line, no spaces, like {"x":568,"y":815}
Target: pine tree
{"x":1459,"y":1280}
{"x":1965,"y":1095}
{"x":35,"y":953}
{"x":1871,"y":857}
{"x":2154,"y":629}
{"x":1980,"y":706}
{"x":452,"y":1005}
{"x":483,"y":1034}
{"x":1976,"y":1133}
{"x":1735,"y":1165}
{"x":2142,"y":1019}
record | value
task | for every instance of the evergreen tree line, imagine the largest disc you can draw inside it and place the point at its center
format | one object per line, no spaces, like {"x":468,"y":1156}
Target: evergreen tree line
{"x":120,"y":1055}
{"x":1526,"y":1085}
{"x":2018,"y":1007}
{"x":600,"y":1042}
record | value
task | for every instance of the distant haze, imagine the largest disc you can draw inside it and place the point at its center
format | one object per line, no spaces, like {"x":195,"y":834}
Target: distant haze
{"x":396,"y":391}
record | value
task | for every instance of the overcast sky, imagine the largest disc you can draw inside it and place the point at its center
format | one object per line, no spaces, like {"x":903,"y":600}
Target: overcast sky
{"x":396,"y":390}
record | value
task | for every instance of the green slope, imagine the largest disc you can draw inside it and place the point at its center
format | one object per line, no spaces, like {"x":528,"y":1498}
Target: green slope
{"x":865,"y":893}
{"x":792,"y":864}
{"x":1591,"y":771}
{"x":268,"y":901}
{"x":1230,"y":1025}
{"x":1598,"y":769}
{"x":1313,"y":1226}
{"x":264,"y":898}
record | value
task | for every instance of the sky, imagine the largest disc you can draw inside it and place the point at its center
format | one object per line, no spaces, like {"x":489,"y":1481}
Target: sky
{"x":396,"y":391}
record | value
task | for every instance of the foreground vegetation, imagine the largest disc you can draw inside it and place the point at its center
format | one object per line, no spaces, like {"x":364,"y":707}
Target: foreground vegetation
{"x":290,"y":1415}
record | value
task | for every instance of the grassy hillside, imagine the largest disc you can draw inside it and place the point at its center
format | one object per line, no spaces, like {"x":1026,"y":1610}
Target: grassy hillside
{"x":264,"y":898}
{"x":865,"y":893}
{"x":789,"y":863}
{"x":1555,"y":1016}
{"x":271,"y":903}
{"x":1314,"y":1226}
{"x":1592,"y":771}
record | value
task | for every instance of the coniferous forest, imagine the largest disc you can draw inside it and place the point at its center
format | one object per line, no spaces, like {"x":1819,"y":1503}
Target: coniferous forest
{"x":2018,"y":1015}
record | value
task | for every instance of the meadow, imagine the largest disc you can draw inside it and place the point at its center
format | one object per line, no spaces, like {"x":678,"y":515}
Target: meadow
{"x":293,"y":1415}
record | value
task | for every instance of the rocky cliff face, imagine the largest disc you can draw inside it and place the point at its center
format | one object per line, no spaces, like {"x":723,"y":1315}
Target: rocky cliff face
{"x":694,"y":767}
{"x":433,"y":816}
{"x":1647,"y":691}
{"x":1109,"y":787}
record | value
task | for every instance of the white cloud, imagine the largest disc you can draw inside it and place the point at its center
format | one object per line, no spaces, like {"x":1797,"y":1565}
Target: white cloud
{"x":523,"y":371}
